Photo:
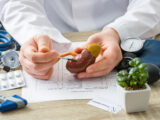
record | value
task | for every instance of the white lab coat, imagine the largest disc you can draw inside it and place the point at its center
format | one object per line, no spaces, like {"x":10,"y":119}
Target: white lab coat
{"x":130,"y":18}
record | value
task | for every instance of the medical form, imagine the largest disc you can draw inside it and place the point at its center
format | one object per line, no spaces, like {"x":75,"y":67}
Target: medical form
{"x":64,"y":85}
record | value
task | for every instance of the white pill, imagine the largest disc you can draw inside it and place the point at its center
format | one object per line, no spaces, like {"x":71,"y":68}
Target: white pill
{"x":20,"y":82}
{"x":4,"y":84}
{"x":3,"y":76}
{"x":10,"y":75}
{"x":17,"y":73}
{"x":11,"y":82}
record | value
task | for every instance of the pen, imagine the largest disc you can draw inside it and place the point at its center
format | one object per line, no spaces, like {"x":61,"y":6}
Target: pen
{"x":67,"y":59}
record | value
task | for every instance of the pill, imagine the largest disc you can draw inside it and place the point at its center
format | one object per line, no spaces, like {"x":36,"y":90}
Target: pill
{"x":3,"y":76}
{"x":11,"y":82}
{"x":4,"y":84}
{"x":20,"y":82}
{"x":10,"y":75}
{"x":17,"y":73}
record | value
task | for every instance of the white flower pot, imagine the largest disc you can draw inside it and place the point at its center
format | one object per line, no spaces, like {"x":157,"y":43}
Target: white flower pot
{"x":134,"y":100}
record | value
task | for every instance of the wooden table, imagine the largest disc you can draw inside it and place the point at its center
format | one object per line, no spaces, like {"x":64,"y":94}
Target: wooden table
{"x":79,"y":109}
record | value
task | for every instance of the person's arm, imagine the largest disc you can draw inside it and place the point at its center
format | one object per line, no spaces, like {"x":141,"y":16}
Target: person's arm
{"x":27,"y":22}
{"x":24,"y":19}
{"x":142,"y":19}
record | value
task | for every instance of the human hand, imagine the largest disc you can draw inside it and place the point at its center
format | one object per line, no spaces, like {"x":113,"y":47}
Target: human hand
{"x":37,"y":57}
{"x":109,"y":57}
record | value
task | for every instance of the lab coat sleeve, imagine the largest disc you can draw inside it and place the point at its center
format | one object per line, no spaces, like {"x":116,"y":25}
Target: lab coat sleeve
{"x":26,"y":18}
{"x":142,"y":20}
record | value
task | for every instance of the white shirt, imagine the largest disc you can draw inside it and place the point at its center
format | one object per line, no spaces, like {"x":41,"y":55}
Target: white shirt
{"x":130,"y":18}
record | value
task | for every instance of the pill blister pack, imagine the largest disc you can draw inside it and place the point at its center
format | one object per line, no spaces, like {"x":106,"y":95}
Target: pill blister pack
{"x":11,"y":80}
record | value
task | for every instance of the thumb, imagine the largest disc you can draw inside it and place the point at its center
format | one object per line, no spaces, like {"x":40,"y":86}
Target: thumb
{"x":78,"y":50}
{"x":95,"y":38}
{"x":44,"y":43}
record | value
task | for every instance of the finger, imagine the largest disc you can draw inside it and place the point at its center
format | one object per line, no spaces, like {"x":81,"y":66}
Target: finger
{"x":95,"y":74}
{"x":96,"y":38}
{"x":78,"y":50}
{"x":41,"y":73}
{"x":38,"y":57}
{"x":107,"y":60}
{"x":92,"y":39}
{"x":34,"y":66}
{"x":44,"y":43}
{"x":44,"y":57}
{"x":98,"y":66}
{"x":42,"y":77}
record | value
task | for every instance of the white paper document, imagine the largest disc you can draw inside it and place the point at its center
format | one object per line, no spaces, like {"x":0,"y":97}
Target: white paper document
{"x":63,"y":85}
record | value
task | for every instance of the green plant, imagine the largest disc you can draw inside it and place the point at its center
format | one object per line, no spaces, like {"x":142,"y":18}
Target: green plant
{"x":135,"y":77}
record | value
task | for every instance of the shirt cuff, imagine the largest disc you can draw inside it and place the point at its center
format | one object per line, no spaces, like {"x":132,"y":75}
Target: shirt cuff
{"x":121,"y":30}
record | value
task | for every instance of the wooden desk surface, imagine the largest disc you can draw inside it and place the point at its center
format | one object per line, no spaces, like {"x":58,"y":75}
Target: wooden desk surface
{"x":79,"y":109}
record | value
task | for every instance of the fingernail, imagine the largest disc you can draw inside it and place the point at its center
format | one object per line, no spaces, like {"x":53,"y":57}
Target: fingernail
{"x":43,"y":49}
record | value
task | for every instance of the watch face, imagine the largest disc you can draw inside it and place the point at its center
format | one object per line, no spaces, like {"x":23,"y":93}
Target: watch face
{"x":132,"y":45}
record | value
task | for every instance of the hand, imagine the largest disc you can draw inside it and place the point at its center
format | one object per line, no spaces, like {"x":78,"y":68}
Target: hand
{"x":109,"y":57}
{"x":37,"y":57}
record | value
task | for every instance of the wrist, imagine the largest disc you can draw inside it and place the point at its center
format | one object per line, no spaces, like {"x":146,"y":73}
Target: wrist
{"x":113,"y":33}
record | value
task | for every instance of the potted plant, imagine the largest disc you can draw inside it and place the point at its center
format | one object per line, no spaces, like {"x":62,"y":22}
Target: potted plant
{"x":132,"y":87}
